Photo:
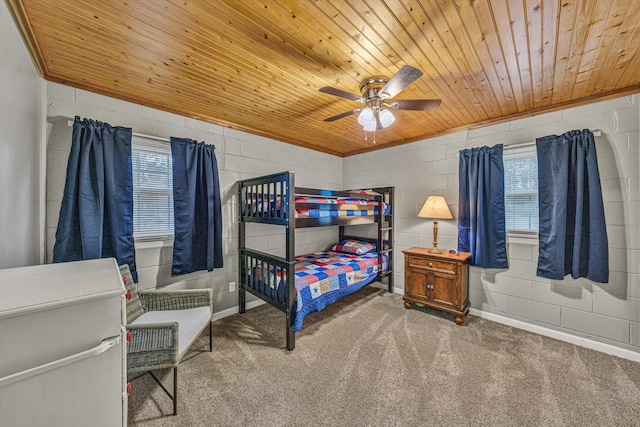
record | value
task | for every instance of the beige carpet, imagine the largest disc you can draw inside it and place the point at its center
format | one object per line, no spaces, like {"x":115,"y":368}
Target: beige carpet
{"x":367,"y":361}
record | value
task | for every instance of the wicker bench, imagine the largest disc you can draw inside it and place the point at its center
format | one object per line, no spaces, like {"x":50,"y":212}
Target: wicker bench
{"x":162,"y":325}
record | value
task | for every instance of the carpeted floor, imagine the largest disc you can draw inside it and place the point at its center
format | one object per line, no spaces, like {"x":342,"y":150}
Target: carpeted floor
{"x":367,"y":361}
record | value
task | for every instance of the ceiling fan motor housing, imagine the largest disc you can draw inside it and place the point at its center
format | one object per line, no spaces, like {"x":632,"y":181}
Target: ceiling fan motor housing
{"x":370,"y":88}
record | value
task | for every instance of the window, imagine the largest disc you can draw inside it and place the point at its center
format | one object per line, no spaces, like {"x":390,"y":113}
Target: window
{"x":152,"y":189}
{"x":521,"y":188}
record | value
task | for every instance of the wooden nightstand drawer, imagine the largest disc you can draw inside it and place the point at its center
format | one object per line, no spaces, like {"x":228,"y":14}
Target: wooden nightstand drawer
{"x":433,"y":264}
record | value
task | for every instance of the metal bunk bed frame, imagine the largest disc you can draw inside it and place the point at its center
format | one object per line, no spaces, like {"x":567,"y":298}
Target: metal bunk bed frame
{"x":280,"y":187}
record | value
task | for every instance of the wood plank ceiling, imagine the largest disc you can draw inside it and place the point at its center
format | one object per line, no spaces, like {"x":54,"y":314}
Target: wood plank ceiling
{"x":257,"y":65}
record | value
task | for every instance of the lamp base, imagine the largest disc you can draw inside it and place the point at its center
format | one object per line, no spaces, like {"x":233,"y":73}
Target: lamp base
{"x":434,"y":250}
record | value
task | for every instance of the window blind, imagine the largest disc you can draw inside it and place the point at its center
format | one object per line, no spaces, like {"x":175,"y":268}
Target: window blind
{"x":521,"y":188}
{"x":152,"y":188}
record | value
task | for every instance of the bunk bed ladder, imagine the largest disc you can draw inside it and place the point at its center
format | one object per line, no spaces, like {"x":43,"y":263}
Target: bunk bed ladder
{"x":382,"y":229}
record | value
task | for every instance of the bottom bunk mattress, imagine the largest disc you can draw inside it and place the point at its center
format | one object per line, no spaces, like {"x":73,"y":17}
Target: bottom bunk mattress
{"x":322,"y":278}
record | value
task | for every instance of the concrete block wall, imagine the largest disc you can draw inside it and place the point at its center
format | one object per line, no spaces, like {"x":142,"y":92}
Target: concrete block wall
{"x":20,"y":153}
{"x":607,"y":313}
{"x":240,"y":156}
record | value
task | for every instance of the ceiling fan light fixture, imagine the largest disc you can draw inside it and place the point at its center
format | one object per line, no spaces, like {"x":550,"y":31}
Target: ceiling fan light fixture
{"x":370,"y":126}
{"x":386,"y":118}
{"x":366,"y":115}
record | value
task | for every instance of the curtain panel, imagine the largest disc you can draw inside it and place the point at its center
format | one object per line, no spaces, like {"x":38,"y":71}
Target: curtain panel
{"x":96,"y":216}
{"x":196,"y":204}
{"x":481,"y":213}
{"x":573,"y":232}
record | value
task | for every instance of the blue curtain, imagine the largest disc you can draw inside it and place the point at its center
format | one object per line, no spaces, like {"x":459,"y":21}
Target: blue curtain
{"x":573,"y":232}
{"x":481,"y":223}
{"x":196,"y":205}
{"x":96,"y":217}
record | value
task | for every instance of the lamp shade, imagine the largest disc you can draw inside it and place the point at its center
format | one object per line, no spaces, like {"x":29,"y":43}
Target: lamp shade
{"x":366,"y":115}
{"x":370,"y":126}
{"x":386,"y":118}
{"x":435,"y":207}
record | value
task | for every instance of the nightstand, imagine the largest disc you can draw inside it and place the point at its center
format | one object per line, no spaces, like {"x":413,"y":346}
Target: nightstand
{"x":439,"y":281}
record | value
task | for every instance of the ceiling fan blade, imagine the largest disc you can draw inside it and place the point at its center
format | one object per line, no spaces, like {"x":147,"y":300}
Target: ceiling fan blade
{"x":341,"y":93}
{"x":399,"y":81}
{"x":342,"y":115}
{"x":415,"y":104}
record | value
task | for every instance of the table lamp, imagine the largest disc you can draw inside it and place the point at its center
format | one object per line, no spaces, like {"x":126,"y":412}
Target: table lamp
{"x":435,"y":208}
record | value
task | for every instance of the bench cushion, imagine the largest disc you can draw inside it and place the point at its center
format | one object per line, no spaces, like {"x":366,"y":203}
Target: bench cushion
{"x":190,"y":323}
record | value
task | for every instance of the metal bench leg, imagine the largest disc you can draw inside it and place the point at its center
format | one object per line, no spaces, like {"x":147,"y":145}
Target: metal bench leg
{"x":175,"y":391}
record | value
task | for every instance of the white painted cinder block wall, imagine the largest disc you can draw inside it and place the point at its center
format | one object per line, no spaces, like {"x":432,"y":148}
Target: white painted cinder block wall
{"x":608,"y":313}
{"x":20,"y":154}
{"x":240,"y":155}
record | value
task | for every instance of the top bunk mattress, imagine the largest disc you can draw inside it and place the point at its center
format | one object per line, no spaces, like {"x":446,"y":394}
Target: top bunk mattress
{"x":314,"y":207}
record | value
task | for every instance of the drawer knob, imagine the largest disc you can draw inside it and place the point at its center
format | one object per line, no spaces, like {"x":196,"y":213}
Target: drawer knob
{"x":129,"y":389}
{"x":128,"y":295}
{"x":129,"y":334}
{"x":430,"y":264}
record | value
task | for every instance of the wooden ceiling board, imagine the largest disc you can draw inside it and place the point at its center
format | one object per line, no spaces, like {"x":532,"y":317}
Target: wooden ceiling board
{"x":470,"y":72}
{"x":258,"y":65}
{"x":550,"y":13}
{"x":619,"y":54}
{"x":534,"y":29}
{"x":433,"y":51}
{"x":442,"y":71}
{"x":479,"y":23}
{"x":579,"y":30}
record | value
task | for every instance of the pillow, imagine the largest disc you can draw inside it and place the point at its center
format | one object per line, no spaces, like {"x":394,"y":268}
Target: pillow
{"x":357,"y":247}
{"x":371,"y":192}
{"x":134,"y":305}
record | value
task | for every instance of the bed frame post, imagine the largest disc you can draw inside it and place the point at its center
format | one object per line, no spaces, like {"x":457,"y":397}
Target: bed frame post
{"x":241,"y":247}
{"x":291,"y":307}
{"x":390,"y":237}
{"x":380,"y":238}
{"x":290,"y":207}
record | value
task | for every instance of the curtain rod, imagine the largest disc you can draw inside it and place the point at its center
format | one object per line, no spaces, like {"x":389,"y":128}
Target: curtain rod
{"x":140,"y":135}
{"x":526,"y":144}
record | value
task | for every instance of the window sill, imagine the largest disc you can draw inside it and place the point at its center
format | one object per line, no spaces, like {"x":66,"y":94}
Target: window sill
{"x":153,"y":242}
{"x":520,"y":238}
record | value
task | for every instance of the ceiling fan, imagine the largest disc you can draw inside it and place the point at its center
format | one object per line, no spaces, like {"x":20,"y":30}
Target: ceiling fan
{"x":376,"y":95}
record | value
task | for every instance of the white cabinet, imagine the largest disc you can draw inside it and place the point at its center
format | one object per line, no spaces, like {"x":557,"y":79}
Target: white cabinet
{"x":62,"y":354}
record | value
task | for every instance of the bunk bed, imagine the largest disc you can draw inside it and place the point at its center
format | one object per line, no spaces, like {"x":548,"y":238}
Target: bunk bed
{"x":300,"y":285}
